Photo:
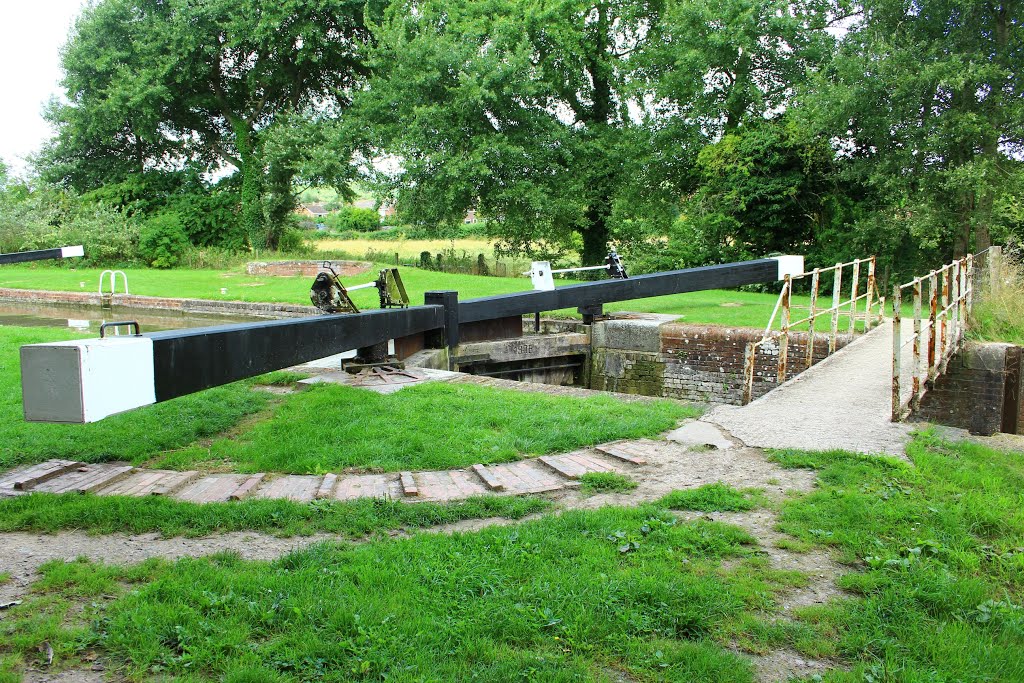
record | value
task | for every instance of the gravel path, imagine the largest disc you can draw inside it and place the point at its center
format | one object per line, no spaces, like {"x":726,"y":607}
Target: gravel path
{"x":841,"y":403}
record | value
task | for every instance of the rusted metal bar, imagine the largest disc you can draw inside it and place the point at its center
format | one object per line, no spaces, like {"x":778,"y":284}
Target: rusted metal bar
{"x":815,"y":276}
{"x":837,"y":285}
{"x":916,"y":379}
{"x":963,"y":297}
{"x":970,"y":284}
{"x":933,"y":330}
{"x":787,"y":291}
{"x":897,"y":347}
{"x":954,"y":305}
{"x":853,"y":296}
{"x":943,"y":319}
{"x":749,"y":362}
{"x":872,"y":287}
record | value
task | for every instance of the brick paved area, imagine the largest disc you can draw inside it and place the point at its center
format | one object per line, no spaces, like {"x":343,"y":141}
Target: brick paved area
{"x":528,"y":476}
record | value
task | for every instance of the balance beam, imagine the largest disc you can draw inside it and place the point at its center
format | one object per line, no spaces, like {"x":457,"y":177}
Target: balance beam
{"x":41,"y":255}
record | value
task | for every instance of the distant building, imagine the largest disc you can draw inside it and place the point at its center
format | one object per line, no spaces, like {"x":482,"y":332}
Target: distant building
{"x":312,"y":210}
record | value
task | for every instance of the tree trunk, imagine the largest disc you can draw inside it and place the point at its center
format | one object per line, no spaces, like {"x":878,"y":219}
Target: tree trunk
{"x":252,"y":189}
{"x":595,"y":236}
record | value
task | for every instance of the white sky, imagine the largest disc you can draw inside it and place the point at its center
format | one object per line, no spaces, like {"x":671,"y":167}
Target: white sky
{"x":31,"y":35}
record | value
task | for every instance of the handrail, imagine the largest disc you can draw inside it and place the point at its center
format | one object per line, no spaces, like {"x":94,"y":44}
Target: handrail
{"x":784,"y":304}
{"x":950,"y":301}
{"x":113,"y":281}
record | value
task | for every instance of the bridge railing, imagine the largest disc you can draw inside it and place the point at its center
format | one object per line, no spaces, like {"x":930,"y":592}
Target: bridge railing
{"x":942,"y":304}
{"x":873,"y":308}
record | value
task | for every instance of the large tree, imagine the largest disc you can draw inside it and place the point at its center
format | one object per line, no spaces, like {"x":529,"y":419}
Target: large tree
{"x":926,"y":102}
{"x":522,"y":108}
{"x":162,"y":83}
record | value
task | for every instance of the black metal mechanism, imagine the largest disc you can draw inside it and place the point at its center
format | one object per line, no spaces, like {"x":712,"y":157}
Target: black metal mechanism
{"x":615,"y":267}
{"x":186,"y":361}
{"x":41,"y":255}
{"x":330,"y":296}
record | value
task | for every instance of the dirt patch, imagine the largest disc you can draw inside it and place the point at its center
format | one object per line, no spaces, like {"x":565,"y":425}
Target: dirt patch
{"x":672,"y":466}
{"x":783,"y":665}
{"x":24,"y":553}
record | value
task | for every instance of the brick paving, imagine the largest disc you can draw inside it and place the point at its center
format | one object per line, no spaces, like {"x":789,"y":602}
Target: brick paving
{"x":523,"y":477}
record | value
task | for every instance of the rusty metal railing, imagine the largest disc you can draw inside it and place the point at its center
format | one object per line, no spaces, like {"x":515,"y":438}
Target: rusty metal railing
{"x":784,"y":308}
{"x":937,"y":336}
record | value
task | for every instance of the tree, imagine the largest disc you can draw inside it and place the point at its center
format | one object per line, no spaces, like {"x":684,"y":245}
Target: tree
{"x":154,"y":84}
{"x":926,"y":102}
{"x":520,"y":108}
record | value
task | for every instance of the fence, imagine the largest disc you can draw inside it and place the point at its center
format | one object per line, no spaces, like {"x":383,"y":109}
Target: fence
{"x":936,"y":339}
{"x":785,"y":306}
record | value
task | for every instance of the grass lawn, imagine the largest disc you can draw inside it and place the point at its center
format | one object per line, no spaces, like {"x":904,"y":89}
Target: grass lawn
{"x":325,"y":429}
{"x":717,"y":307}
{"x":135,"y":436}
{"x":329,"y":428}
{"x":934,"y":592}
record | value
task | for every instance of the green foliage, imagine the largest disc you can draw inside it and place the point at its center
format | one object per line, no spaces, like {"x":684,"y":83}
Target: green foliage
{"x":293,"y":241}
{"x":558,"y":599}
{"x":937,"y":548}
{"x":715,"y":497}
{"x":162,"y":241}
{"x":998,"y":314}
{"x":46,"y":513}
{"x":606,"y":482}
{"x":353,"y":219}
{"x":211,"y":85}
{"x":329,"y":428}
{"x":134,"y":436}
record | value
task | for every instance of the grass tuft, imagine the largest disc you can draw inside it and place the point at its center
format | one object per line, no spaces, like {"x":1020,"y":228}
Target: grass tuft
{"x":715,"y":497}
{"x":998,"y":315}
{"x":606,"y":482}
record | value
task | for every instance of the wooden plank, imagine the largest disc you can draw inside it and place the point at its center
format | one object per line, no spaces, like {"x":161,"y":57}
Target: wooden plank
{"x":247,"y":486}
{"x":326,"y":489}
{"x":490,"y":481}
{"x":173,"y":481}
{"x":48,"y":470}
{"x":409,"y":487}
{"x":619,"y":454}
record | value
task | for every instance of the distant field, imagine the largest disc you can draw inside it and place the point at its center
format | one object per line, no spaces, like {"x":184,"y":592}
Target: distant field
{"x":715,"y":307}
{"x":409,"y":249}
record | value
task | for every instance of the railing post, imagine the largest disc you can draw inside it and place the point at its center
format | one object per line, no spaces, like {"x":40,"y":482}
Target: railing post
{"x":954,"y":305}
{"x":964,"y":283}
{"x":749,"y":363}
{"x":448,"y":337}
{"x":787,"y":291}
{"x":933,"y":331}
{"x":970,"y":284}
{"x":916,"y":378}
{"x":837,"y":285}
{"x":854,"y":285}
{"x":943,"y":319}
{"x":815,"y":276}
{"x":897,"y":346}
{"x":871,"y":291}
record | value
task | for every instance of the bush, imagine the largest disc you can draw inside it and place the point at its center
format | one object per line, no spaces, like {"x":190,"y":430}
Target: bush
{"x":163,"y":241}
{"x":353,"y":218}
{"x":293,"y":241}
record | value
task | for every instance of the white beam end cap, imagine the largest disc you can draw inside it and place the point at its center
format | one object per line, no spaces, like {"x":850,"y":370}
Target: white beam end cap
{"x":789,"y":265}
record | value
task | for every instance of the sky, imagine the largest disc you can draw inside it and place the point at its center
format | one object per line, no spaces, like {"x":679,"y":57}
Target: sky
{"x":31,"y":35}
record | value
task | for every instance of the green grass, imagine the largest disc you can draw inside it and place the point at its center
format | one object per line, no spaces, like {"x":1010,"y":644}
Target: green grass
{"x":938,"y":549}
{"x":998,"y":314}
{"x":585,"y":596}
{"x":606,"y":482}
{"x":718,"y":307}
{"x":329,"y":428}
{"x":715,"y":497}
{"x":134,"y":436}
{"x":48,"y":513}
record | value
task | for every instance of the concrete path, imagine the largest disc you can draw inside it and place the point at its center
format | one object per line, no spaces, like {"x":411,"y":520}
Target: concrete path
{"x":844,"y":402}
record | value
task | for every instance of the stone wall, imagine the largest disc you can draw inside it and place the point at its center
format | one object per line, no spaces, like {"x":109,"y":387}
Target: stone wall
{"x":689,"y":362}
{"x":980,"y":391}
{"x":305,"y":268}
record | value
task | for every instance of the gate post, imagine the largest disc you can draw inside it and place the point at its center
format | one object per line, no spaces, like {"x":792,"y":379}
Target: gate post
{"x":449,"y":336}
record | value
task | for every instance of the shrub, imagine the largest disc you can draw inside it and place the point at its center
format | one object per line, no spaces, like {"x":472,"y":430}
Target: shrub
{"x":293,"y":241}
{"x":353,"y":218}
{"x":163,"y":241}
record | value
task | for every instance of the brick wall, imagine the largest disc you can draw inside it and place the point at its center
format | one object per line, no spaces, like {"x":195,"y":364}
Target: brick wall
{"x":305,"y":268}
{"x":972,"y":394}
{"x":691,"y":362}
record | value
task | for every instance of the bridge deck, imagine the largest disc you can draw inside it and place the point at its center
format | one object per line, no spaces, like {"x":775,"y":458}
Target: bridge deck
{"x":844,"y":402}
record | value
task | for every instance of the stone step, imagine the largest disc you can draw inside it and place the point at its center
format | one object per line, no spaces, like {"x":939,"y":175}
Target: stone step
{"x":358,"y":486}
{"x":301,"y":488}
{"x":619,"y":452}
{"x":525,"y":477}
{"x":447,"y":485}
{"x":490,"y":481}
{"x":247,"y":486}
{"x":28,"y":477}
{"x":213,"y":488}
{"x":85,"y":479}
